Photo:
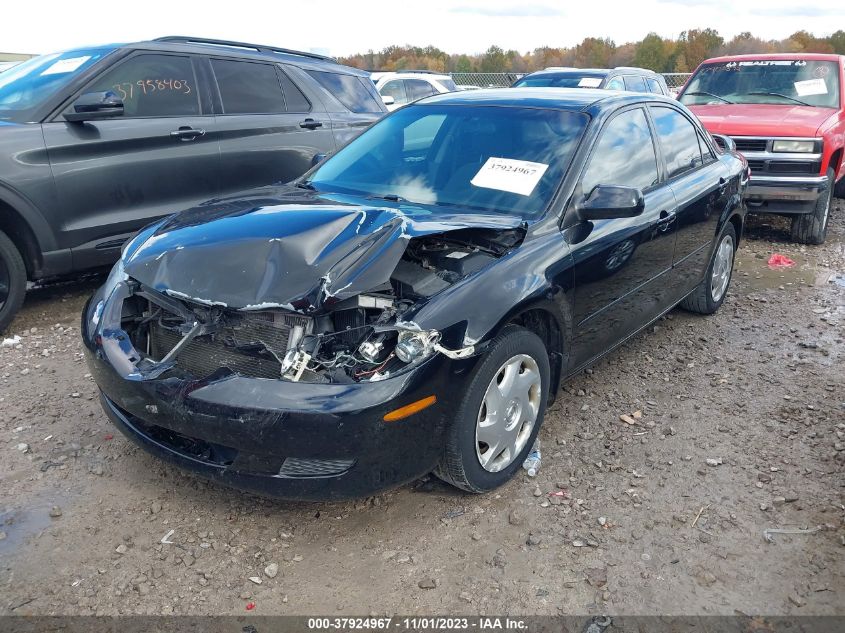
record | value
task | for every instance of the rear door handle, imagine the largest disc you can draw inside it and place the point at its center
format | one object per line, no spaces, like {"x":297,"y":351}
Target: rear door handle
{"x":311,"y":124}
{"x":187,"y":133}
{"x":667,"y":218}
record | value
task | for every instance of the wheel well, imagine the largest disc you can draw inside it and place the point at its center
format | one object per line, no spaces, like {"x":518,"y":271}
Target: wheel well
{"x":737,"y":222}
{"x":16,"y":228}
{"x":836,"y":161}
{"x":544,"y":325}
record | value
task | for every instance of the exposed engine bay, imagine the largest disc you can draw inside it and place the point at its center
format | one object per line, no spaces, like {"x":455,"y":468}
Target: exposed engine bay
{"x":367,"y":337}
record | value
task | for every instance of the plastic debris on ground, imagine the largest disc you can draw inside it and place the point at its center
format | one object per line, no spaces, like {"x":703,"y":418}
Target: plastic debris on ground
{"x":532,"y":462}
{"x":250,"y":606}
{"x":780,"y":261}
{"x":11,"y":342}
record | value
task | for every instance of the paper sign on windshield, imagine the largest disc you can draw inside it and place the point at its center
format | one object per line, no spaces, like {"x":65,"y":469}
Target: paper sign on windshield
{"x":65,"y":65}
{"x":589,"y":82}
{"x":508,"y":174}
{"x":810,"y":87}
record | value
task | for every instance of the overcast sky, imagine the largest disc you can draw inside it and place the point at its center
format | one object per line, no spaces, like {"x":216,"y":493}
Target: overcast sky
{"x":341,"y":27}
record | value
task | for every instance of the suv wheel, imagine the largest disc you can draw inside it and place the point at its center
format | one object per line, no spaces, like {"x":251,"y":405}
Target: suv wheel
{"x":498,"y":418}
{"x":811,"y":228}
{"x":12,"y":281}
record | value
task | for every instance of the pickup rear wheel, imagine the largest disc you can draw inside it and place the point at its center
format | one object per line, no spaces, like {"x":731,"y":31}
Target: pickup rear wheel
{"x":839,"y":189}
{"x":12,"y":281}
{"x":811,"y":228}
{"x":497,"y":420}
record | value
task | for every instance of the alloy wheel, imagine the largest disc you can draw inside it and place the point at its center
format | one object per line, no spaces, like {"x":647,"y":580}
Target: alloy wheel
{"x":722,"y":265}
{"x":508,"y":413}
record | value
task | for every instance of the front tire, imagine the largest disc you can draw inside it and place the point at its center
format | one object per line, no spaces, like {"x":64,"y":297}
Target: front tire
{"x":497,"y":421}
{"x":710,"y":294}
{"x":811,"y":228}
{"x":12,"y":281}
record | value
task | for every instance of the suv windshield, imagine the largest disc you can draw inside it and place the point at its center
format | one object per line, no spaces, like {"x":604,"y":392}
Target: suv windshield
{"x":23,"y":88}
{"x":775,"y":81}
{"x":559,"y":80}
{"x":489,"y":158}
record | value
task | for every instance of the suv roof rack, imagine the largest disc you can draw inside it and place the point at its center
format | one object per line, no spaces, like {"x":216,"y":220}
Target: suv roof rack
{"x":637,"y":68}
{"x":232,"y":44}
{"x":411,"y":72}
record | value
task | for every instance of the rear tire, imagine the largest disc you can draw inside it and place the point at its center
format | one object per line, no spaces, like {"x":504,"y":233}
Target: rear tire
{"x":811,"y":228}
{"x":710,"y":294}
{"x":461,"y":464}
{"x":12,"y":281}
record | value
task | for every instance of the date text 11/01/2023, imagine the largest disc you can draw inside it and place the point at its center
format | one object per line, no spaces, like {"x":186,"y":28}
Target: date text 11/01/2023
{"x":433,"y":623}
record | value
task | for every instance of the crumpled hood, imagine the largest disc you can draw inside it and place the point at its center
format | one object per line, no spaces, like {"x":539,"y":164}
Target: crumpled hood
{"x":755,"y":119}
{"x":284,"y":247}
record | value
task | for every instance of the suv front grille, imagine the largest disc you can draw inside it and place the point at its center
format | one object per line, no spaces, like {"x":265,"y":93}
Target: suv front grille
{"x":251,"y":344}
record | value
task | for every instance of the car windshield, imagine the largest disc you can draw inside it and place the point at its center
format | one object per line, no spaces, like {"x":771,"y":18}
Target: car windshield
{"x":488,"y":158}
{"x":25,"y":87}
{"x":559,"y":80}
{"x":777,"y":81}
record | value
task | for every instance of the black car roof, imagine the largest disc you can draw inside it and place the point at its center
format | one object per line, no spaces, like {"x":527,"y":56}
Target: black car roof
{"x":581,"y":99}
{"x":205,"y":46}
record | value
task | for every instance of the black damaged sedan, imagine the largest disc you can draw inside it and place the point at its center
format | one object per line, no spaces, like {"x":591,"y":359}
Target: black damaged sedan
{"x":412,"y":303}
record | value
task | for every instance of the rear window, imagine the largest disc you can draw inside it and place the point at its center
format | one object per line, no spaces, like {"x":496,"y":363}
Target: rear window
{"x":559,"y":80}
{"x":248,"y":87}
{"x":350,"y":90}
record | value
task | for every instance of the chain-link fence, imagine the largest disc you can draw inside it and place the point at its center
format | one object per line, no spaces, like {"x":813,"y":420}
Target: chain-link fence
{"x":676,"y":81}
{"x":503,"y":80}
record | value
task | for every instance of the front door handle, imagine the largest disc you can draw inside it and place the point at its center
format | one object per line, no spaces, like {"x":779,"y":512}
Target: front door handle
{"x":723,"y":184}
{"x":667,"y":218}
{"x":187,"y":133}
{"x":311,"y":124}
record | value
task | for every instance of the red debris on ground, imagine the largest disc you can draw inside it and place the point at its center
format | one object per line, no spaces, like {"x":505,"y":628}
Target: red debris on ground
{"x":780,"y":261}
{"x":250,"y":606}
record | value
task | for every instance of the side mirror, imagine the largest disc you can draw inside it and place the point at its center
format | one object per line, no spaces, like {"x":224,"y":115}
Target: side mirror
{"x":611,"y":201}
{"x":388,"y":100}
{"x":318,"y":158}
{"x":95,"y":105}
{"x":726,"y":143}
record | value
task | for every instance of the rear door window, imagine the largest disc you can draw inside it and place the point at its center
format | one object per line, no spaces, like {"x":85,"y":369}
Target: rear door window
{"x":350,"y":90}
{"x":417,"y":89}
{"x":294,"y":99}
{"x":152,"y":86}
{"x":635,"y":83}
{"x":678,"y":139}
{"x":248,"y":87}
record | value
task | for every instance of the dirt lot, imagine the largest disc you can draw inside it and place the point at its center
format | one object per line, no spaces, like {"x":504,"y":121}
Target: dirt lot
{"x":645,"y":525}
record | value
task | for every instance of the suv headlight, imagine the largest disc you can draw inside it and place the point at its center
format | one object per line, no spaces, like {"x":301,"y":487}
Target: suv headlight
{"x":804,"y":147}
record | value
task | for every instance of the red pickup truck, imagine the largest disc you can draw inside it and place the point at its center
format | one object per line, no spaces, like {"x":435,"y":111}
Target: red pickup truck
{"x":786,"y":115}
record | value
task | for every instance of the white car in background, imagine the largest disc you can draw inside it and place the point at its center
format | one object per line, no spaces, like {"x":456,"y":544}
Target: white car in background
{"x":398,"y":88}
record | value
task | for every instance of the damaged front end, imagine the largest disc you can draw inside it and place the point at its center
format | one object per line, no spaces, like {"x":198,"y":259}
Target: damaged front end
{"x":321,"y":336}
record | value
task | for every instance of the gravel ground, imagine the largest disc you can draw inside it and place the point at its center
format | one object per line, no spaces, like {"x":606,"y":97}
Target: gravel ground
{"x":739,"y":426}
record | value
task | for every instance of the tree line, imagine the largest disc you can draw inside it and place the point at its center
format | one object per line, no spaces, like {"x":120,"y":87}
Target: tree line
{"x":665,"y":55}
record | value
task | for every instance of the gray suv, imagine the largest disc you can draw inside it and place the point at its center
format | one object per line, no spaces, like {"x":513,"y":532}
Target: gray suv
{"x":97,"y":142}
{"x":628,"y":78}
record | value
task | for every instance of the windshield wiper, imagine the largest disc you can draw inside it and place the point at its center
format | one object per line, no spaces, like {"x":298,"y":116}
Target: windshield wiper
{"x":306,"y":184}
{"x":698,"y":93}
{"x":782,"y":96}
{"x":390,"y":197}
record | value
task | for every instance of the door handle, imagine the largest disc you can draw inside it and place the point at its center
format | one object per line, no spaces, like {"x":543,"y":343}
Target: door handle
{"x":723,"y":183}
{"x":186,"y":133}
{"x":667,"y":218}
{"x":311,"y":124}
